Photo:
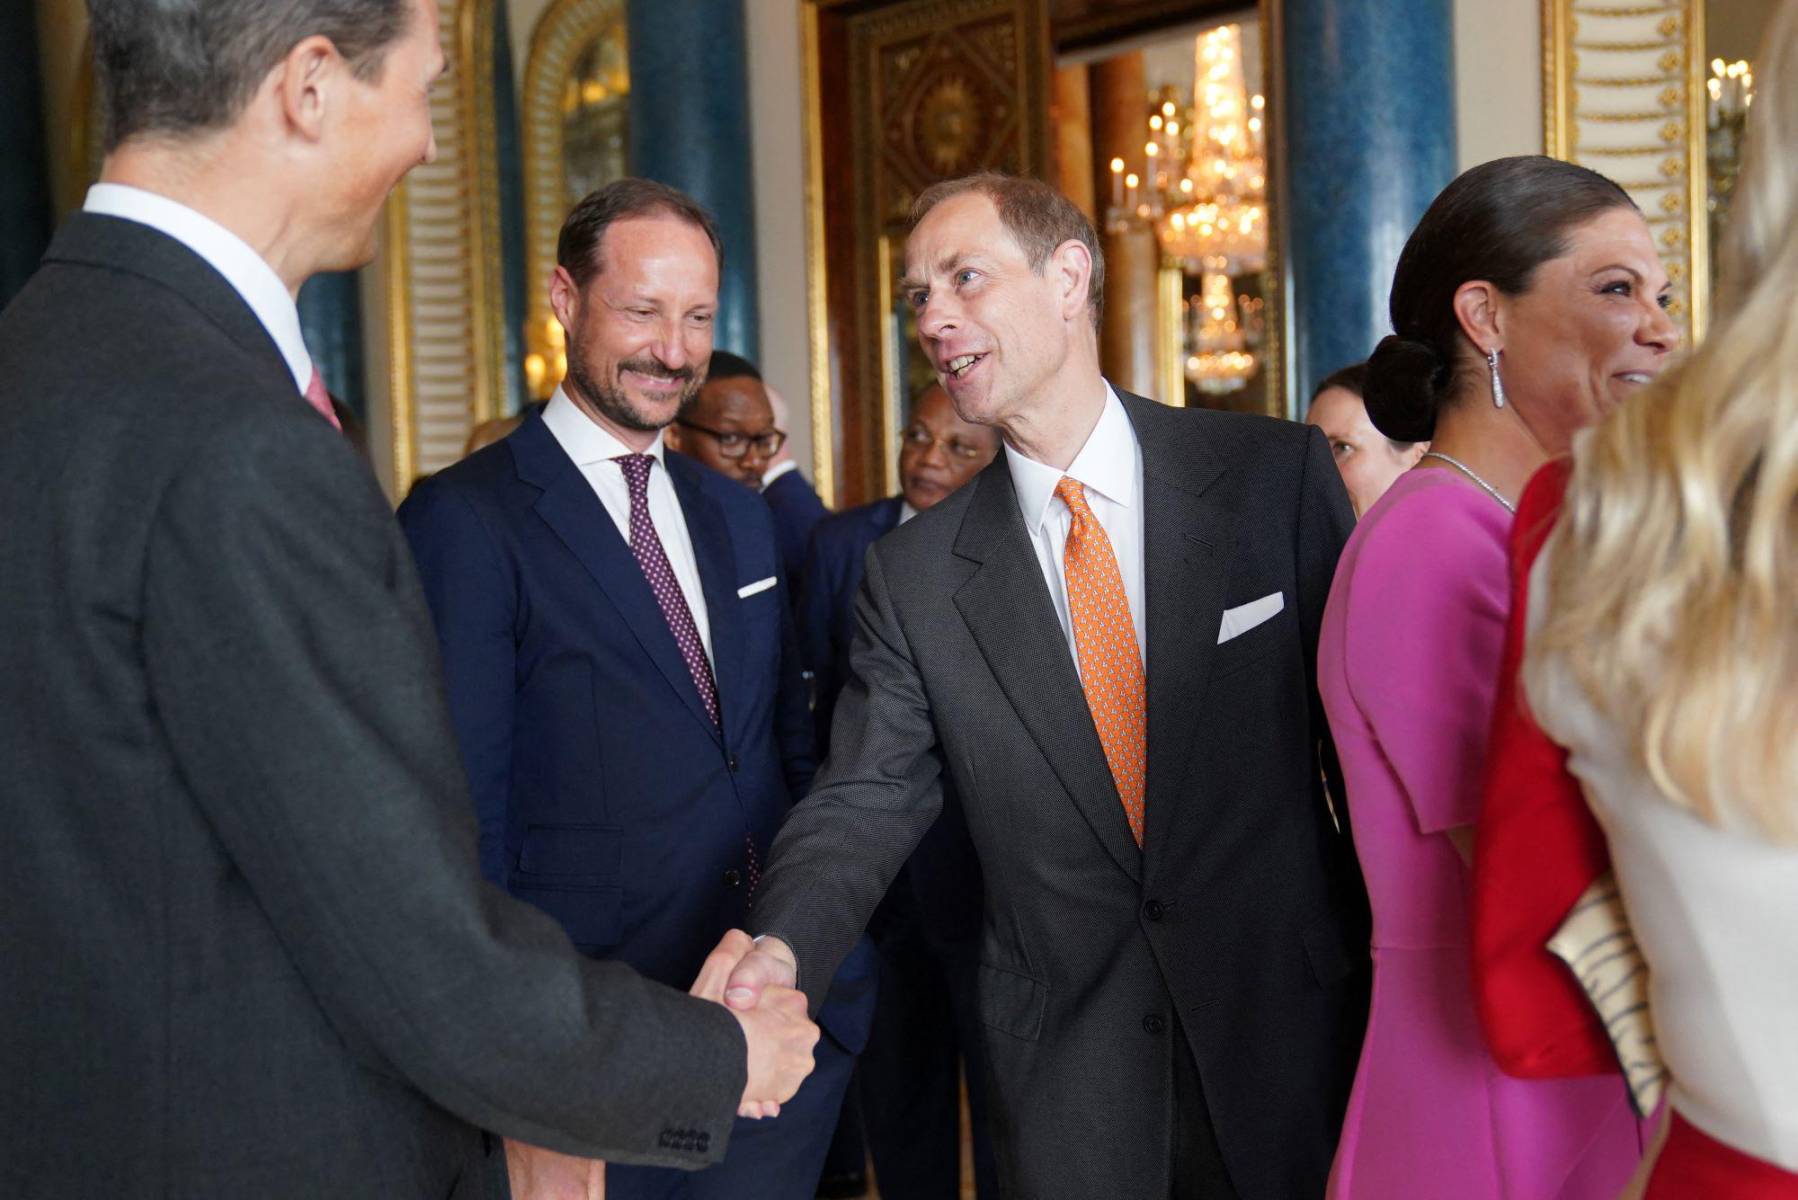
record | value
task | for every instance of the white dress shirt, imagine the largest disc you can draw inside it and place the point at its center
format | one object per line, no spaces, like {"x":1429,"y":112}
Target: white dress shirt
{"x":1109,"y":466}
{"x":246,"y":271}
{"x":780,"y":468}
{"x":593,"y":450}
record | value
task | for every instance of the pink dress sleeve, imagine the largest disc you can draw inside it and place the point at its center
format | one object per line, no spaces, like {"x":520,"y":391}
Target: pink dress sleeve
{"x":1425,"y":631}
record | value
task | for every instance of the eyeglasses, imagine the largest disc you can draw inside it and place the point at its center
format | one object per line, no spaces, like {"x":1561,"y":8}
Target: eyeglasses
{"x":735,"y":445}
{"x":919,"y":438}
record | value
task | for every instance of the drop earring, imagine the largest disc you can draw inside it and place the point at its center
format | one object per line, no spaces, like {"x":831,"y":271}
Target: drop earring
{"x":1498,"y":385}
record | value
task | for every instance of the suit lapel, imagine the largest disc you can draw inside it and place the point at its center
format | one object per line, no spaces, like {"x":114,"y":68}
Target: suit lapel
{"x":1186,"y":543}
{"x":717,"y":579}
{"x":1008,"y":610}
{"x":569,"y":507}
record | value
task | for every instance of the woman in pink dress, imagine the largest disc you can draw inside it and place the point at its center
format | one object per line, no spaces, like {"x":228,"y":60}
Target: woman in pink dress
{"x":1526,"y":305}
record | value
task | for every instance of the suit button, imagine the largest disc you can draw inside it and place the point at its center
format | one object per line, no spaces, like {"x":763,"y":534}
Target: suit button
{"x":731,"y":762}
{"x":1154,"y":910}
{"x":732,"y":877}
{"x":1154,"y":1023}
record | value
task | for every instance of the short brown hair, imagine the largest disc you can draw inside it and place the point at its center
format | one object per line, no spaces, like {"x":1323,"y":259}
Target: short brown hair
{"x":577,"y":249}
{"x":1037,"y":216}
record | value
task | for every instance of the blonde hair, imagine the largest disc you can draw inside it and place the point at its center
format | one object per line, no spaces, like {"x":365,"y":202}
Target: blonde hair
{"x":1672,"y":598}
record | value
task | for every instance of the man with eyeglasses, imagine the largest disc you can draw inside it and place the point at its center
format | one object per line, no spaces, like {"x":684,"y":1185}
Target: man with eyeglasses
{"x":926,"y":931}
{"x":730,"y":424}
{"x":734,"y":428}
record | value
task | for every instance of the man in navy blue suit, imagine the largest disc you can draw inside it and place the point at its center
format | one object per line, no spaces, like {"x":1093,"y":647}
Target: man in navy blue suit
{"x":623,"y":672}
{"x":927,"y":929}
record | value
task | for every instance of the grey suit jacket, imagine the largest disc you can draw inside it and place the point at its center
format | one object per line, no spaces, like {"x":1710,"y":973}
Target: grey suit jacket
{"x":246,"y":949}
{"x":1242,"y":921}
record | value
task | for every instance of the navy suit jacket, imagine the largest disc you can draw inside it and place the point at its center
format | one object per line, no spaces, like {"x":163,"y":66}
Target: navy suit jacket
{"x":797,"y":511}
{"x":605,"y":795}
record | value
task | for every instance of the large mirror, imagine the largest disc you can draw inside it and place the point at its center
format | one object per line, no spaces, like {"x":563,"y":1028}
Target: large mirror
{"x":1655,"y":96}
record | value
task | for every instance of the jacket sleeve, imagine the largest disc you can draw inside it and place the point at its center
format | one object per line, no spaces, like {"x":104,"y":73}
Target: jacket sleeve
{"x":290,"y":663}
{"x":473,"y":600}
{"x":877,"y":794}
{"x":1536,"y":849}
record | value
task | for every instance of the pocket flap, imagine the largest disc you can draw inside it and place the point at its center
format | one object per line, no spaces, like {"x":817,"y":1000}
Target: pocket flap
{"x":1012,"y":1003}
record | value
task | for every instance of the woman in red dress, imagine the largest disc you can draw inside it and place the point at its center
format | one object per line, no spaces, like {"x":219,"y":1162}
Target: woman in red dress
{"x":1654,"y":636}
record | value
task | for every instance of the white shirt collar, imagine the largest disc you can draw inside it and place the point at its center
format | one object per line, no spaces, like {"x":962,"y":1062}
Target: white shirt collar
{"x":246,"y":271}
{"x":1106,"y":464}
{"x":778,"y":469}
{"x":584,"y":440}
{"x":906,"y":511}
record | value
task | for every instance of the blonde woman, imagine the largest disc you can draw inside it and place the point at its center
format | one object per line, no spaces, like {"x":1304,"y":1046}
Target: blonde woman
{"x":1662,"y":652}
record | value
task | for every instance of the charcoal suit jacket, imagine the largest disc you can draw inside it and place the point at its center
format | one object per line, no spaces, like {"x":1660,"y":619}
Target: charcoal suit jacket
{"x":247,"y":950}
{"x":1241,"y":922}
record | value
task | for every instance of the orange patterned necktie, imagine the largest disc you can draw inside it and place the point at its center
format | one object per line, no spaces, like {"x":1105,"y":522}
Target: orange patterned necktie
{"x":1110,"y":665}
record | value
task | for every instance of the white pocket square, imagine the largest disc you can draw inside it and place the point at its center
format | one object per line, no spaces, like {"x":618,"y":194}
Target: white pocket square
{"x":750,"y":589}
{"x":1244,"y":617}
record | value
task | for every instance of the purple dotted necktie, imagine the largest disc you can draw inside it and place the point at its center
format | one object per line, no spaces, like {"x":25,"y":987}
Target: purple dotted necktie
{"x":656,"y":569}
{"x":647,"y":546}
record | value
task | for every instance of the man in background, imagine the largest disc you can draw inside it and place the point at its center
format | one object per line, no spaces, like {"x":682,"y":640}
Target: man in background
{"x":729,"y":426}
{"x":623,"y":674}
{"x":927,"y":929}
{"x":248,"y":952}
{"x":797,"y":508}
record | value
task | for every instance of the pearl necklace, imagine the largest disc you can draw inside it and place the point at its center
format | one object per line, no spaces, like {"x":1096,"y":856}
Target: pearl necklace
{"x":1468,"y":471}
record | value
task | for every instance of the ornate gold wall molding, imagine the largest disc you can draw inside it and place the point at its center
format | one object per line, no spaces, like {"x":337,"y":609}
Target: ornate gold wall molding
{"x":824,"y":439}
{"x":445,"y":302}
{"x":566,"y":29}
{"x":1623,"y":93}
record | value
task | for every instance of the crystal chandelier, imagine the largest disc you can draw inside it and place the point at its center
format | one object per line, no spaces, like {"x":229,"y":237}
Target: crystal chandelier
{"x":1205,"y":196}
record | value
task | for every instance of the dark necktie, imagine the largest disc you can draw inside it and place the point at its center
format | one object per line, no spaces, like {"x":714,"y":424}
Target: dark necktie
{"x":653,"y":560}
{"x":656,"y":569}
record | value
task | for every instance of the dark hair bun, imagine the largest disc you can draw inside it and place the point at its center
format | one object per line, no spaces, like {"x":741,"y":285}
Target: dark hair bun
{"x":1407,"y":380}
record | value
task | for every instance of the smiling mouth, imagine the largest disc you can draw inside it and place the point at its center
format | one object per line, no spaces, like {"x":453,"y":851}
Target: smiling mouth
{"x":961,"y":364}
{"x":1636,"y":377}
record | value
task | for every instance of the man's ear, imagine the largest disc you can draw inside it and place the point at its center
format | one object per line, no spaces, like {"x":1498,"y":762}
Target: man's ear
{"x":304,"y":82}
{"x":671,"y":436}
{"x":1478,"y":309}
{"x":564,"y":298}
{"x":1071,"y":270}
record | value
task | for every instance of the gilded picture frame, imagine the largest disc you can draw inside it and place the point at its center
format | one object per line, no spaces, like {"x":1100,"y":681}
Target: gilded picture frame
{"x":1623,"y":92}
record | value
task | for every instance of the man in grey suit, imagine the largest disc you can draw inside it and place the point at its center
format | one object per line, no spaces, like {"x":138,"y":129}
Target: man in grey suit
{"x":1107,"y":642}
{"x":247,"y":951}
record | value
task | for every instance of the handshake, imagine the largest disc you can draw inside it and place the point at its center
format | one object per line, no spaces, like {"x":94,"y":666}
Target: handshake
{"x":755,"y":982}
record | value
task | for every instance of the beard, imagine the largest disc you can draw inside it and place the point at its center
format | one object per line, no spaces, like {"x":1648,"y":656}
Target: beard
{"x":614,"y":403}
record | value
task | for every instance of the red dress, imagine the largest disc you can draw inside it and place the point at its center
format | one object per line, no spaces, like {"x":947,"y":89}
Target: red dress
{"x":1538,"y":848}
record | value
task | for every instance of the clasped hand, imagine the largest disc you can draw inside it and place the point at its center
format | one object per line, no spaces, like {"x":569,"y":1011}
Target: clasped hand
{"x":755,"y":982}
